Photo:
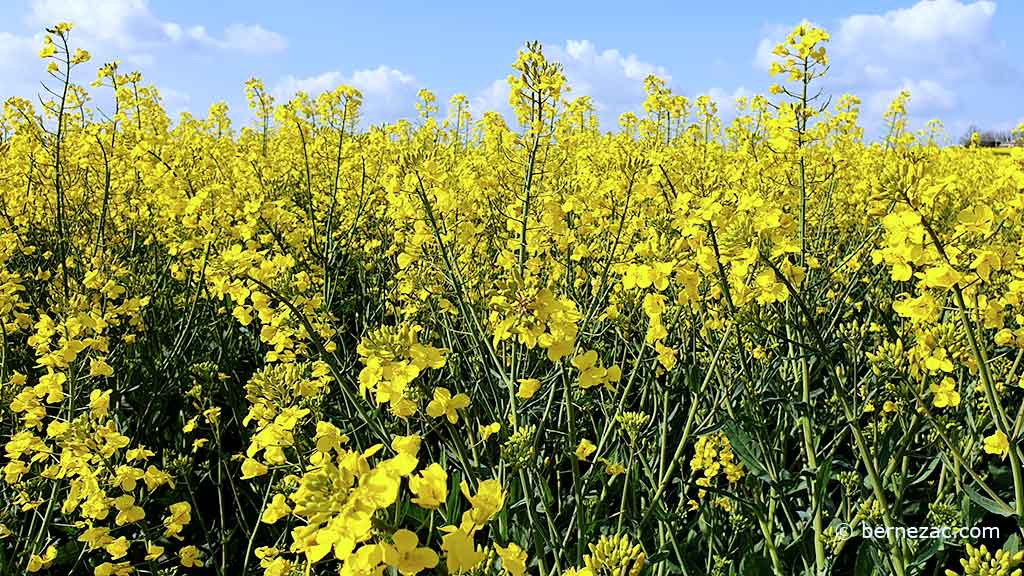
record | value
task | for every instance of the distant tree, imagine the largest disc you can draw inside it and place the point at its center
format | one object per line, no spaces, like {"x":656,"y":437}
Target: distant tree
{"x":988,"y":138}
{"x":965,"y":140}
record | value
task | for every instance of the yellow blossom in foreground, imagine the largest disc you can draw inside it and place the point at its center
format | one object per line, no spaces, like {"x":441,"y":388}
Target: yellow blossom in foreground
{"x":489,"y":430}
{"x":38,"y":562}
{"x":119,"y":569}
{"x":460,"y":552}
{"x":430,"y":487}
{"x":118,"y":548}
{"x":407,"y":444}
{"x":406,"y":555}
{"x":179,"y":515}
{"x":253,"y":468}
{"x":488,"y":500}
{"x":585,"y":449}
{"x":189,"y":556}
{"x":944,"y":394}
{"x":997,"y":444}
{"x":127,"y":511}
{"x":153,"y":551}
{"x":444,"y":404}
{"x":527,"y":388}
{"x":513,"y":559}
{"x":612,"y":468}
{"x":275,"y":510}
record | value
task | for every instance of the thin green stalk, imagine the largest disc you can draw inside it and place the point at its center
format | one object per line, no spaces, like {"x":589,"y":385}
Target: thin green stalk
{"x":1002,"y":422}
{"x":576,"y":482}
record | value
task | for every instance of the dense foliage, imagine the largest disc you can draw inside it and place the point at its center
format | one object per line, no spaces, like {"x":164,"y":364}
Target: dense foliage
{"x":453,"y":346}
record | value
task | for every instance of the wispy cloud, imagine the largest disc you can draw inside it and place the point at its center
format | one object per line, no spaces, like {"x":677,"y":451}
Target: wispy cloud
{"x":388,"y":93}
{"x":131,"y":26}
{"x":613,"y":80}
{"x":933,"y":48}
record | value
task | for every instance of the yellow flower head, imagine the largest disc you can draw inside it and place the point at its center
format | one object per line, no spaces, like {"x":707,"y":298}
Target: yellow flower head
{"x":997,"y":444}
{"x":527,"y":388}
{"x":460,"y":553}
{"x":585,"y":449}
{"x":406,"y":555}
{"x":488,"y":500}
{"x":189,"y":556}
{"x":444,"y":404}
{"x":430,"y":487}
{"x":944,"y":394}
{"x":513,"y":559}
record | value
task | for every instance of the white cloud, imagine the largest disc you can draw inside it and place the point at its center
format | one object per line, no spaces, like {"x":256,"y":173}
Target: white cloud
{"x":388,"y":93}
{"x":725,"y":101}
{"x":945,"y":39}
{"x":583,"y":56}
{"x":253,"y":39}
{"x":126,"y":30}
{"x":930,"y":22}
{"x":312,"y":85}
{"x":763,"y":56}
{"x":123,"y":23}
{"x":613,"y":80}
{"x":19,"y":64}
{"x":926,"y":97}
{"x":494,"y":98}
{"x":130,"y":25}
{"x":382,"y":80}
{"x":875,"y":73}
{"x":175,"y":101}
{"x":243,"y":38}
{"x":934,"y":48}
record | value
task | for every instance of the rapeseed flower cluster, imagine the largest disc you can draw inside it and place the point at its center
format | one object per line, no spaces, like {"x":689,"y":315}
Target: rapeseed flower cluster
{"x":479,"y":345}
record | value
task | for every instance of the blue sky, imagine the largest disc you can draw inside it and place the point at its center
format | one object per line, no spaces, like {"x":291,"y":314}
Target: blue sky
{"x":959,"y":58}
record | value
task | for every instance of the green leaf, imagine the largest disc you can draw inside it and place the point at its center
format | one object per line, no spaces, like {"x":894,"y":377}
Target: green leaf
{"x":1012,"y":544}
{"x":926,"y":473}
{"x":822,"y":480}
{"x":988,"y":503}
{"x":743,"y":447}
{"x":867,"y":559}
{"x":709,"y":429}
{"x":755,"y":564}
{"x":927,"y":551}
{"x":659,"y":556}
{"x":452,"y":506}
